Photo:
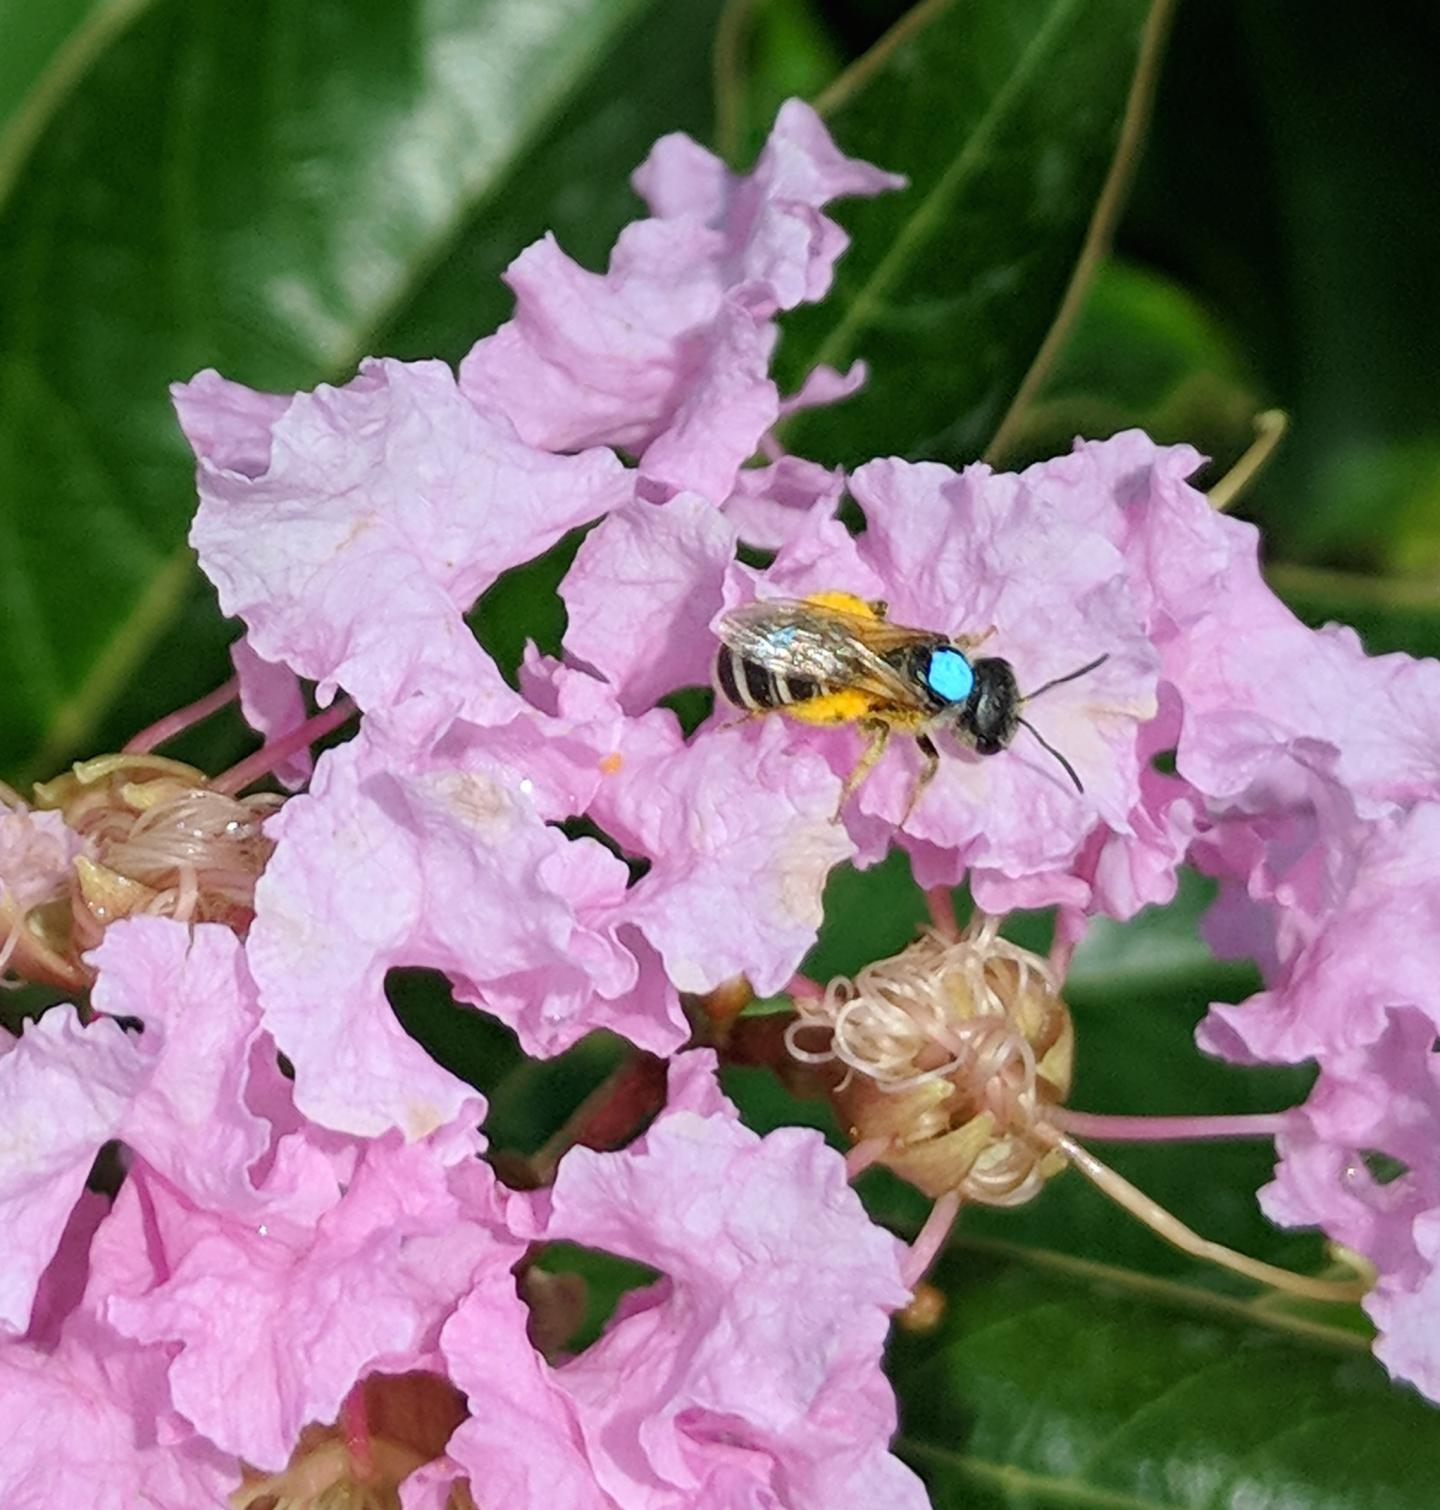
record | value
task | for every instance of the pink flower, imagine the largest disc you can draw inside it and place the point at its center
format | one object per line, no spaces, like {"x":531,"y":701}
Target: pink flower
{"x":1354,"y":919}
{"x":85,"y":1419}
{"x":352,"y":528}
{"x":667,"y":354}
{"x":269,"y":1326}
{"x":960,"y":553}
{"x":172,"y":1093}
{"x":1252,"y":677}
{"x":445,"y":861}
{"x":741,"y":841}
{"x":750,"y":1373}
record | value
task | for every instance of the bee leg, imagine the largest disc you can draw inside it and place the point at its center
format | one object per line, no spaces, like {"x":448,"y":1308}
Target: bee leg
{"x":968,"y":642}
{"x":926,"y":776}
{"x":879,"y":607}
{"x":746,"y":716}
{"x":878,"y":736}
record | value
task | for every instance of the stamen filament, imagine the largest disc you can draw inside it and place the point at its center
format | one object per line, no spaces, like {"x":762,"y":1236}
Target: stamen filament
{"x":182,"y":718}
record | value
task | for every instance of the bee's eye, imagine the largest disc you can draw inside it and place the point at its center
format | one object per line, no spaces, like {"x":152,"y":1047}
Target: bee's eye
{"x":949,"y":676}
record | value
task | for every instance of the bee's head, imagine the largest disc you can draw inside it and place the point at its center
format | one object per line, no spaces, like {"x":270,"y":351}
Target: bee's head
{"x":992,"y":711}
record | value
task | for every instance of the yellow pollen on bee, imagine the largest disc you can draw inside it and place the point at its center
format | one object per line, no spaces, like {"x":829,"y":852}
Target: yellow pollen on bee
{"x":842,"y":707}
{"x":844,"y":602}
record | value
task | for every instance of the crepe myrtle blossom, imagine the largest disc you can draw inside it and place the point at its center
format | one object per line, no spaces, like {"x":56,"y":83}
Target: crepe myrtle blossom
{"x":748,"y":1373}
{"x":325,"y":1326}
{"x":1353,"y":920}
{"x":971,"y":553}
{"x":452,"y":859}
{"x":667,"y":354}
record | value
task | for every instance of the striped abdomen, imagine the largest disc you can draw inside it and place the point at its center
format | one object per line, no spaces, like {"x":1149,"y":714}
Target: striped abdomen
{"x":750,"y":685}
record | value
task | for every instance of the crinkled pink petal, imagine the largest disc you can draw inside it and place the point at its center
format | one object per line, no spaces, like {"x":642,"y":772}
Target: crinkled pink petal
{"x":227,"y":424}
{"x":273,"y":705}
{"x":754,"y":1364}
{"x":667,"y":353}
{"x":82,"y":1437}
{"x":642,"y":592}
{"x":728,"y":404}
{"x":824,"y":386}
{"x":739,"y":833}
{"x":1252,"y":676}
{"x":190,"y":988}
{"x":1381,"y":1099}
{"x":769,"y":219}
{"x":394,"y":490}
{"x":1378,"y":949}
{"x":820,"y":556}
{"x":772,"y":505}
{"x":66,"y":1090}
{"x":1409,"y":1320}
{"x":446,"y":865}
{"x":522,"y":1444}
{"x":1127,"y":873}
{"x":271,"y":1329}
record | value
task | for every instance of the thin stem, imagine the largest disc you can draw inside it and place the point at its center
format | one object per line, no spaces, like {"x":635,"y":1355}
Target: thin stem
{"x":727,"y":64}
{"x":278,"y":751}
{"x":1168,"y":1226}
{"x":1101,"y":229}
{"x":931,"y":1238}
{"x":940,"y":903}
{"x":182,"y":718}
{"x":609,"y":1116}
{"x":1121,"y":1129}
{"x":864,"y":1155}
{"x":1352,"y":592}
{"x":802,"y":986}
{"x":1270,"y":428}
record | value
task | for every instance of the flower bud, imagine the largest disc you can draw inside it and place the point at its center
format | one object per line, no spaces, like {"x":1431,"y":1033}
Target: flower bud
{"x":953,"y":1051}
{"x":142,"y":834}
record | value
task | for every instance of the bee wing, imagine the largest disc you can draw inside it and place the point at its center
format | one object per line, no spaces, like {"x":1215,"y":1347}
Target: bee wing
{"x":826,"y":645}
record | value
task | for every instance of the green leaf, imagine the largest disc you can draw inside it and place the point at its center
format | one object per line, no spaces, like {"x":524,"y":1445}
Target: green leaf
{"x":1144,"y":353}
{"x":1051,"y":1385}
{"x":47,"y":48}
{"x":1006,"y":115}
{"x":274,"y":190}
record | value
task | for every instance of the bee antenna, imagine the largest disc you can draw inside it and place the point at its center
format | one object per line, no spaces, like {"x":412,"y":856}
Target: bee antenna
{"x":1069,"y":676}
{"x":1068,"y":768}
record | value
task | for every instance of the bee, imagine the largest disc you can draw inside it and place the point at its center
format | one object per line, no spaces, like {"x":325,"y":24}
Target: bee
{"x":837,"y":659}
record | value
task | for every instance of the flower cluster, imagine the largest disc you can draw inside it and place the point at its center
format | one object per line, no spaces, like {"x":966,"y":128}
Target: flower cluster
{"x":306,"y":1260}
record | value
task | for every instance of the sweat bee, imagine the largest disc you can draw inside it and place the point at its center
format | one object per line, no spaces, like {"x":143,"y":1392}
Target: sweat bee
{"x":837,"y":659}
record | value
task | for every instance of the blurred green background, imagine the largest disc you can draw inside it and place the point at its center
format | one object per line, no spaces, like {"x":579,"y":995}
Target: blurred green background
{"x":278,"y":190}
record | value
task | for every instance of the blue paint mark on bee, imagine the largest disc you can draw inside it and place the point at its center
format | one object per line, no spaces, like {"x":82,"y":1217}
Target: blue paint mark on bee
{"x":950,"y":676}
